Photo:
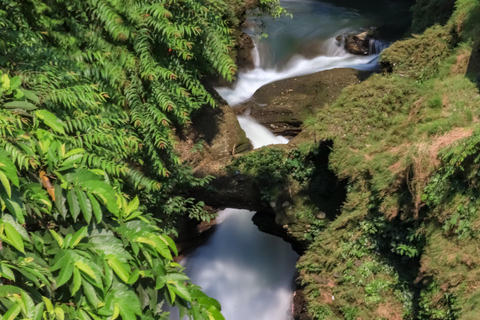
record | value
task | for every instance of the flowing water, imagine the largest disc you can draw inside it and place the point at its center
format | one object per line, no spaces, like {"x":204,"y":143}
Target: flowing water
{"x":249,"y":272}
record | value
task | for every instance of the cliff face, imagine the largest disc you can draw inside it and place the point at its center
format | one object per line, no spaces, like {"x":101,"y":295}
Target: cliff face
{"x":402,"y":163}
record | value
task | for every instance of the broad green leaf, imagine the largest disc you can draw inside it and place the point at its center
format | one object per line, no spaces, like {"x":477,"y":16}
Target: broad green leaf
{"x":14,"y":237}
{"x":5,"y":183}
{"x":78,"y":236}
{"x":132,"y":206}
{"x":120,"y":268}
{"x":73,"y":205}
{"x":39,"y":311}
{"x":5,"y":82}
{"x":65,"y":274}
{"x":133,"y":277}
{"x":82,"y":266}
{"x":215,"y":314}
{"x":15,"y":206}
{"x":6,"y":272}
{"x":60,"y":315}
{"x":73,"y":152}
{"x":60,"y":200}
{"x":76,"y":283}
{"x":182,"y":291}
{"x":50,"y":120}
{"x":30,"y":95}
{"x":90,"y":293}
{"x":28,"y":306}
{"x":97,"y":211}
{"x":57,"y":237}
{"x":25,"y":105}
{"x":85,"y":205}
{"x":48,"y":304}
{"x":13,"y":312}
{"x":170,"y":243}
{"x":15,"y":82}
{"x":116,"y":311}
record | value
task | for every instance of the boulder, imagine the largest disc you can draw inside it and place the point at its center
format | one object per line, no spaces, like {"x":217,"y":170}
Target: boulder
{"x":359,"y":42}
{"x":282,"y":106}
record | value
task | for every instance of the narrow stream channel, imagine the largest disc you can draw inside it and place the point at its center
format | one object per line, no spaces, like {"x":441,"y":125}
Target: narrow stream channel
{"x":249,"y":272}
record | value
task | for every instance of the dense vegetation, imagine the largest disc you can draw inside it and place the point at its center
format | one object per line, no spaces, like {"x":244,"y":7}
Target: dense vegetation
{"x":404,"y":244}
{"x":91,"y":96}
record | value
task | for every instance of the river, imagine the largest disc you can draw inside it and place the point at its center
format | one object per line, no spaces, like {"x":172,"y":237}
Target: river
{"x":249,"y":272}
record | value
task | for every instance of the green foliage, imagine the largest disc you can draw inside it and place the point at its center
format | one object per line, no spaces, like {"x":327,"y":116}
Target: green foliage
{"x":91,"y":95}
{"x":74,"y":246}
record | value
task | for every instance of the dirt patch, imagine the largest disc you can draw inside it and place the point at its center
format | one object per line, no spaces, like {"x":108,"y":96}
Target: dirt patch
{"x":389,"y":311}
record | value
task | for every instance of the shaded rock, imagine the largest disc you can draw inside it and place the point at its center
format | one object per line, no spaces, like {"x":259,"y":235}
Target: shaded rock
{"x":214,"y":134}
{"x":282,"y":106}
{"x":244,"y":52}
{"x":362,"y":42}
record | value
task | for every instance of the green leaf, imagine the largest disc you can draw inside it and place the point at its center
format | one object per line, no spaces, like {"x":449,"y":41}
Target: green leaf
{"x":25,"y":105}
{"x":73,"y":152}
{"x":85,"y":205}
{"x":9,"y":168}
{"x":6,"y":184}
{"x":59,"y":313}
{"x":50,"y":120}
{"x":14,"y":237}
{"x":170,"y":243}
{"x":76,"y":283}
{"x":78,"y":236}
{"x":15,"y":206}
{"x":15,"y":82}
{"x":73,"y":205}
{"x":90,"y":293}
{"x":48,"y":304}
{"x":13,"y":312}
{"x":65,"y":274}
{"x":57,"y":237}
{"x":82,"y":266}
{"x":6,"y":272}
{"x":97,"y":211}
{"x":30,"y":95}
{"x":60,"y":200}
{"x":120,"y":269}
{"x":182,"y":291}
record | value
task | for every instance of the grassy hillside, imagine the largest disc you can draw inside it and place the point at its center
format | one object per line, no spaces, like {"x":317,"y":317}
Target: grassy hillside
{"x":405,"y":243}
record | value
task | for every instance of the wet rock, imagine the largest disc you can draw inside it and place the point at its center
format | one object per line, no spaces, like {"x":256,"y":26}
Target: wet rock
{"x":282,"y":106}
{"x":359,"y":42}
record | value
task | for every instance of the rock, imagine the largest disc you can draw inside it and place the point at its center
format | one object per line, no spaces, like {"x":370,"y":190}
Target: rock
{"x":282,"y":106}
{"x":214,"y":134}
{"x":359,"y":42}
{"x":321,"y":215}
{"x":244,"y":52}
{"x":336,"y":275}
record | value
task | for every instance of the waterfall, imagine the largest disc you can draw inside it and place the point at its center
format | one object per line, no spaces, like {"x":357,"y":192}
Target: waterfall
{"x":252,"y":273}
{"x":377,"y":46}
